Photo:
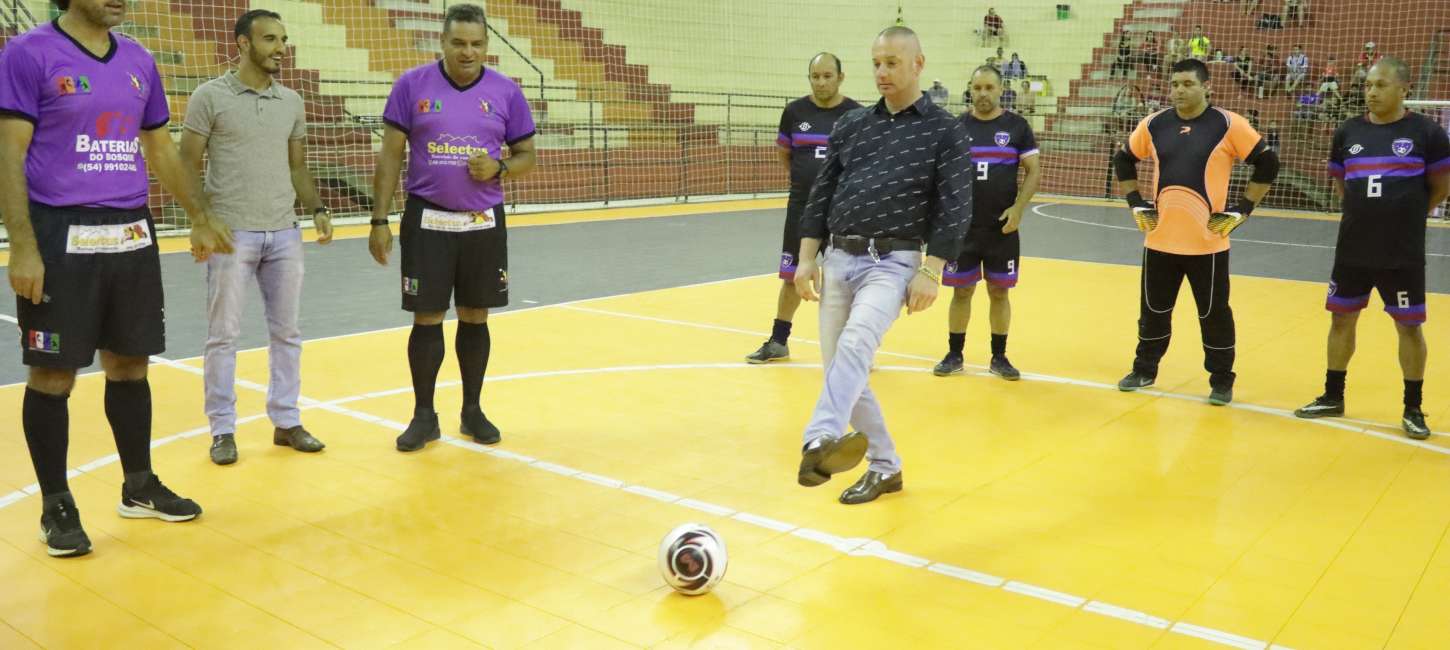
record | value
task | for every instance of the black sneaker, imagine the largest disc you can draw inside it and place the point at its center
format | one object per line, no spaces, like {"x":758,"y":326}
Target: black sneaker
{"x":1323,"y":406}
{"x":421,"y":431}
{"x":1414,"y":423}
{"x":60,"y":529}
{"x":156,"y":501}
{"x":1220,"y":395}
{"x":1003,"y":368}
{"x":1134,"y":381}
{"x":951,"y":364}
{"x":476,"y":424}
{"x":224,"y":449}
{"x":770,"y":350}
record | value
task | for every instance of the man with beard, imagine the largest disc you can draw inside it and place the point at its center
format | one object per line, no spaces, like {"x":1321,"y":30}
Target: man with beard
{"x":82,"y":117}
{"x":805,"y":129}
{"x":251,"y":129}
{"x":1001,"y":141}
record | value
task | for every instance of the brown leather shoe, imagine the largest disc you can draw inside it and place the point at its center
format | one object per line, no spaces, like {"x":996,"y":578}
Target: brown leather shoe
{"x":873,"y":484}
{"x":826,"y":456}
{"x":297,"y":438}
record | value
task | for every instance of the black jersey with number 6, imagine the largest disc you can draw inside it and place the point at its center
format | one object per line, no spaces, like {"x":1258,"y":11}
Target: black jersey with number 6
{"x":998,"y":145}
{"x":1386,"y":169}
{"x":805,"y":130}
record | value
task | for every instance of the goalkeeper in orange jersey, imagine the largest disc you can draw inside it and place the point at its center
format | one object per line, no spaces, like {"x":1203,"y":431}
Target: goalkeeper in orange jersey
{"x":1193,"y":147}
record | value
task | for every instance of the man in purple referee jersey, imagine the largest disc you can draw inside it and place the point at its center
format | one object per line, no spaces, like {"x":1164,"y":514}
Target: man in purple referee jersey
{"x":82,"y":114}
{"x":454,"y":118}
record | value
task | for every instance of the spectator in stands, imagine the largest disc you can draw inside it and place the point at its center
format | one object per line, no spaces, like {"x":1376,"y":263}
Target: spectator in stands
{"x":1298,"y":69}
{"x":1148,"y":54}
{"x":1370,"y":56}
{"x":939,"y":93}
{"x":1029,"y":99}
{"x":1177,"y":50}
{"x":993,"y":27}
{"x":1271,"y":71}
{"x":1250,"y":6}
{"x":1271,"y":137}
{"x":1198,"y":46}
{"x":1124,"y":60}
{"x":1008,"y":101}
{"x":1015,"y":69}
{"x":1218,"y":57}
{"x":1329,"y":83}
{"x":1361,"y":72}
{"x":1296,"y":11}
{"x":1244,"y":70}
{"x":967,"y":95}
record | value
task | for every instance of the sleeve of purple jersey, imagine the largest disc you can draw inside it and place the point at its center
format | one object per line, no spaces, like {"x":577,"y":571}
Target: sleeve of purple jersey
{"x":157,"y":113}
{"x":20,"y":84}
{"x":398,"y":112}
{"x":520,"y":124}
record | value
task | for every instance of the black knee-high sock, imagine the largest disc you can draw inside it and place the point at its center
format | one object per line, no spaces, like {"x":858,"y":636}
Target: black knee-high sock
{"x":1334,"y":383}
{"x":46,"y":420}
{"x":999,"y":345}
{"x":425,"y":357}
{"x":472,"y":344}
{"x":1413,"y":392}
{"x":128,"y":408}
{"x":780,"y":331}
{"x":956,"y":341}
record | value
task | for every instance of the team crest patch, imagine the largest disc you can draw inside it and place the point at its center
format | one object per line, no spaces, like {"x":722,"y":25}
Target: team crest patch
{"x":410,"y":286}
{"x":951,"y":268}
{"x":484,"y":106}
{"x":1354,"y":150}
{"x":38,"y":341}
{"x":1002,"y":138}
{"x":1402,"y":146}
{"x":65,"y":86}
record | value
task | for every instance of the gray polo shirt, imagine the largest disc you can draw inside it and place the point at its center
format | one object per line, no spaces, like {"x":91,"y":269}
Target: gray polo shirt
{"x":248,"y":178}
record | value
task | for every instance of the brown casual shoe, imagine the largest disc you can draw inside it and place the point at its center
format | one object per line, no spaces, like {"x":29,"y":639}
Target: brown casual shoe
{"x":297,"y":438}
{"x":873,"y":484}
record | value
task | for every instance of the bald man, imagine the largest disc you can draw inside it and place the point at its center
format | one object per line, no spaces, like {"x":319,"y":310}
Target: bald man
{"x":805,"y":128}
{"x":897,"y":178}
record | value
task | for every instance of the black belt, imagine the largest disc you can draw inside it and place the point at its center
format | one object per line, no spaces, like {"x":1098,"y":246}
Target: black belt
{"x":858,"y":245}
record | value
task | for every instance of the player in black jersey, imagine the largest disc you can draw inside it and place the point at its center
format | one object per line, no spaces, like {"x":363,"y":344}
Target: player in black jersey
{"x":1392,"y":167}
{"x":1001,"y":142}
{"x":805,"y":126}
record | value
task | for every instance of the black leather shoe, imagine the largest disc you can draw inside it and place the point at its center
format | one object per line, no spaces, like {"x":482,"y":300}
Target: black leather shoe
{"x":476,"y":424}
{"x":421,"y":431}
{"x":297,"y":438}
{"x":825,"y":456}
{"x":224,"y":449}
{"x":873,"y":484}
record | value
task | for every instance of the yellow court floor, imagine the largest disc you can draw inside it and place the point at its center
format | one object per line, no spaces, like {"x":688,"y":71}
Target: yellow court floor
{"x":1054,"y":512}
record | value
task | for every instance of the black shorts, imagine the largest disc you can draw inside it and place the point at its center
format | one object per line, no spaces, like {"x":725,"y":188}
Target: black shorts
{"x":790,"y":244}
{"x":102,"y":287}
{"x":1402,"y":290}
{"x":458,"y":256}
{"x":998,"y":254}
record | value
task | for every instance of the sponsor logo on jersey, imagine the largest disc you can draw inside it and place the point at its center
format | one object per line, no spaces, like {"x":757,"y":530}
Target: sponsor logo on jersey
{"x":804,"y":126}
{"x":38,"y":341}
{"x":1356,"y":149}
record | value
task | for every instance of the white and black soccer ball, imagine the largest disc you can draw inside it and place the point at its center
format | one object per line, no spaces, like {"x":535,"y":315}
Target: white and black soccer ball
{"x":692,"y":559}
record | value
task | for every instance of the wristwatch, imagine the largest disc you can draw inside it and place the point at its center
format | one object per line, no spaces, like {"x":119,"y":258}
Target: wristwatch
{"x":322,"y":209}
{"x":503,"y":169}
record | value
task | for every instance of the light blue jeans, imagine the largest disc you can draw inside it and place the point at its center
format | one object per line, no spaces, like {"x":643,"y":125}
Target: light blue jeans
{"x":274,"y":258}
{"x":860,"y":300}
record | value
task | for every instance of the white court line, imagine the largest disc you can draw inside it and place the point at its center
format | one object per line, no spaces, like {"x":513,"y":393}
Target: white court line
{"x":1333,"y":423}
{"x":855,"y":546}
{"x":1038,"y":210}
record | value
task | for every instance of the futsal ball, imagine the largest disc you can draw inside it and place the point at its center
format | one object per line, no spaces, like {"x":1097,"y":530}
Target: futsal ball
{"x":692,"y":559}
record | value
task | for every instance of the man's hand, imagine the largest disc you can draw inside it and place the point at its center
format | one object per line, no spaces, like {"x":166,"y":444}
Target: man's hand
{"x":322,"y":221}
{"x":921,"y":293}
{"x":27,"y":274}
{"x":1013,"y":217}
{"x":380,"y":244}
{"x":210,"y":236}
{"x":808,"y":279}
{"x":482,"y":168}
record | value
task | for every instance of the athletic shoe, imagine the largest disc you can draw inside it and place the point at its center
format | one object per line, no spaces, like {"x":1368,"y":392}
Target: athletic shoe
{"x":1323,"y":406}
{"x":1414,"y":423}
{"x":1003,"y":368}
{"x":951,"y":364}
{"x":156,"y":501}
{"x":476,"y":424}
{"x":60,"y":529}
{"x":1134,"y":381}
{"x":1219,"y":396}
{"x":224,"y":449}
{"x":421,"y":431}
{"x":769,"y":351}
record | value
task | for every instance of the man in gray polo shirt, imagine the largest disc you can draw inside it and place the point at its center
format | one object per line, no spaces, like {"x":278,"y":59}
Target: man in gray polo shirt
{"x":252,"y":131}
